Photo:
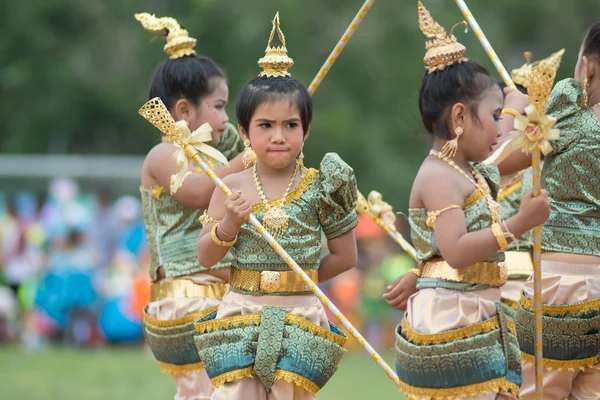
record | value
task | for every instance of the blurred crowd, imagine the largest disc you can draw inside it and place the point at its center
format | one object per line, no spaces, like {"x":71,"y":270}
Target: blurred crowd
{"x":73,"y":271}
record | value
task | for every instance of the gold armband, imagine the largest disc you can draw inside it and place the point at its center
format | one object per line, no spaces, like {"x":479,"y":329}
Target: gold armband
{"x":219,"y":242}
{"x":499,"y":234}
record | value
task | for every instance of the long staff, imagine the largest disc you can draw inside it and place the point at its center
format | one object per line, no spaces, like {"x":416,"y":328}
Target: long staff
{"x":340,"y":46}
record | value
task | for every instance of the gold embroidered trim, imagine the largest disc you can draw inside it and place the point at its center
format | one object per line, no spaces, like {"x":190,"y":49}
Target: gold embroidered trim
{"x":315,"y":329}
{"x":148,"y":320}
{"x":484,"y":273}
{"x":156,"y":191}
{"x":293,"y":195}
{"x":227,"y":323}
{"x":593,"y":305}
{"x":511,"y":303}
{"x":460,"y":392}
{"x":297,"y":380}
{"x":254,"y":319}
{"x":234,"y":375}
{"x":180,"y":369}
{"x":508,"y":190}
{"x":473,"y":197}
{"x":185,"y":288}
{"x":512,"y":327}
{"x":571,"y":365}
{"x":449,"y":336}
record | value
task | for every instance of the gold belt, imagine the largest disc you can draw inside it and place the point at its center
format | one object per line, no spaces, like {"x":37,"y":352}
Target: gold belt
{"x":519,"y":263}
{"x":270,"y":281}
{"x":483,"y":273}
{"x":186,"y":288}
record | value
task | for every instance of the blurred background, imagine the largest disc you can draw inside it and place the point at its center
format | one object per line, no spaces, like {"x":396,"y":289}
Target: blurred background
{"x":73,"y":256}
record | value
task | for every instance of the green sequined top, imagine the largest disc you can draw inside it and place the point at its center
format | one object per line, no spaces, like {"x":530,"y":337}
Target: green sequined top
{"x":571,"y":174}
{"x":477,"y":217}
{"x":323,"y":201}
{"x":509,"y":198}
{"x":172,"y":229}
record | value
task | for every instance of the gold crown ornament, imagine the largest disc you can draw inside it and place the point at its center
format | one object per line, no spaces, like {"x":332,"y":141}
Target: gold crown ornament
{"x":442,"y":50}
{"x":276,"y":62}
{"x":521,"y":75}
{"x":179,"y":44}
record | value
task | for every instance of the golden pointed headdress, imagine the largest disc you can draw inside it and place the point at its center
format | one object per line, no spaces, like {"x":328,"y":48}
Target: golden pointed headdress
{"x":521,"y":75}
{"x":276,"y":62}
{"x":443,"y":49}
{"x":179,"y":44}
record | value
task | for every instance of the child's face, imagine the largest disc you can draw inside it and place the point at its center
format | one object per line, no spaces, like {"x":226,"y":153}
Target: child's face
{"x":212,"y":109}
{"x":481,"y":135}
{"x":276,"y":134}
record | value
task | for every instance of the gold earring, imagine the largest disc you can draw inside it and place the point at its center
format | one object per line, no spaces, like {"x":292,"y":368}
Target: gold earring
{"x":301,"y":159}
{"x":584,"y":101}
{"x":249,"y":156}
{"x":451,"y":146}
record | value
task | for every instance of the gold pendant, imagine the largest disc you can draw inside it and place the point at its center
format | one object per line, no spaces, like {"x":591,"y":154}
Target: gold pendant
{"x":276,"y":220}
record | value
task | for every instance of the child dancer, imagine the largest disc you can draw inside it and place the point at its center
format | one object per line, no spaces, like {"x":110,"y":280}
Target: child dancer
{"x":454,"y":341}
{"x":270,"y":337}
{"x":194,"y":89}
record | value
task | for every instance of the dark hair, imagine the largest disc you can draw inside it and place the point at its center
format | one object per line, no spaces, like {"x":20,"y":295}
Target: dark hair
{"x":440,"y":90}
{"x":591,"y":43}
{"x":267,"y":89}
{"x":185,"y":77}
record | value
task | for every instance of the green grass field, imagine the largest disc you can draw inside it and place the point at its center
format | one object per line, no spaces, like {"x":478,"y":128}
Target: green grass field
{"x":130,"y":373}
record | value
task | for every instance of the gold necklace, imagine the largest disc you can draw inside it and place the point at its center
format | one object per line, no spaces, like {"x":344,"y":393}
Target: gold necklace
{"x":493,"y":206}
{"x":275,"y":219}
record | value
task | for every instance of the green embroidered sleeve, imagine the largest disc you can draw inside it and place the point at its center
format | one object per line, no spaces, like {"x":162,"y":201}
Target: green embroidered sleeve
{"x":338,"y":196}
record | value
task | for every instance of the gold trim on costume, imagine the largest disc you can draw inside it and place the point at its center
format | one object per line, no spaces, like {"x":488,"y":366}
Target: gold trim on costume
{"x":157,"y":191}
{"x":180,"y":369}
{"x":518,"y":263}
{"x":166,"y":323}
{"x":510,"y":302}
{"x":473,"y":197}
{"x":483,"y":273}
{"x":506,"y":191}
{"x":234,"y":375}
{"x":592,"y":305}
{"x":571,"y":365}
{"x":254,"y":319}
{"x":297,"y":380}
{"x":270,"y":281}
{"x":294,"y":194}
{"x":449,"y":336}
{"x":186,"y":288}
{"x":461,"y":392}
{"x":280,"y":374}
{"x":314,"y":329}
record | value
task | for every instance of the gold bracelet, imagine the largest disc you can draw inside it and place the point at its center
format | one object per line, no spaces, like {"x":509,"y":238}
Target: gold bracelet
{"x":415,"y":271}
{"x":219,"y":242}
{"x":225,"y":233}
{"x":510,"y":111}
{"x":499,"y":234}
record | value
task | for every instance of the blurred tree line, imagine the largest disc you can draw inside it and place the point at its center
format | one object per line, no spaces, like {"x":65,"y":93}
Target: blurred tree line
{"x":73,"y":73}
